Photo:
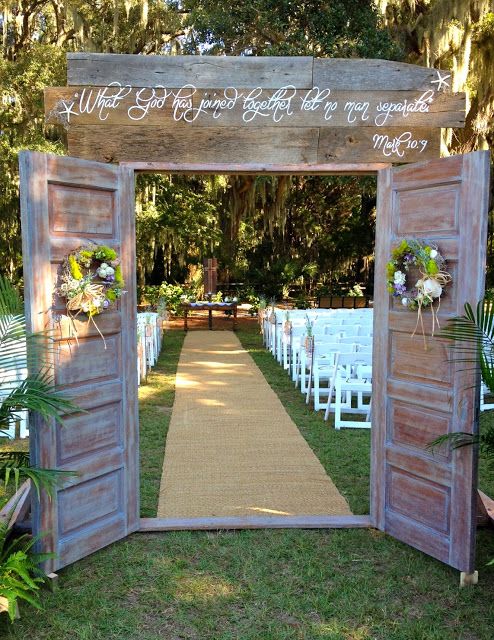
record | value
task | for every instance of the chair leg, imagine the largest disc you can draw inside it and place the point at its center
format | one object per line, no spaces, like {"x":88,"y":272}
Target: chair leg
{"x":337,"y":405}
{"x":309,"y":383}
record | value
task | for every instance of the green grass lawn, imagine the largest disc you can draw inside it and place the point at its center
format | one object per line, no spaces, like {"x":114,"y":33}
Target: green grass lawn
{"x":261,"y":585}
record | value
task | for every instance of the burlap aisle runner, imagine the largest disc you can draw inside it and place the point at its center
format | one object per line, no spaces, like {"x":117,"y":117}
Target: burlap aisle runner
{"x":232,"y":449}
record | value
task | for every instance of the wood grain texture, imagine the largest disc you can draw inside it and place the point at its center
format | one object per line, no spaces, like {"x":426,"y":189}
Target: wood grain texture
{"x":488,"y":505}
{"x":37,"y":298}
{"x":259,"y":110}
{"x":180,"y":143}
{"x":16,"y":507}
{"x":253,"y":522}
{"x":341,"y":73}
{"x":427,"y":501}
{"x":189,"y":168}
{"x":201,"y":71}
{"x":285,"y":107}
{"x":65,"y":203}
{"x":183,"y":144}
{"x":366,"y":144}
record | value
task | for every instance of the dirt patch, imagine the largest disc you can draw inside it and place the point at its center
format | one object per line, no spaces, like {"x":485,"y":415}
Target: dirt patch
{"x":198,"y":321}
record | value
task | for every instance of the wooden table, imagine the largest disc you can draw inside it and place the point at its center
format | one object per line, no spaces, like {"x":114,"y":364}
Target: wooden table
{"x":210,"y":307}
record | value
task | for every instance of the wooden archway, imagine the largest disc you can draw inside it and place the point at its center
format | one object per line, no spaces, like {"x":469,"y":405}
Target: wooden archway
{"x":423,"y":500}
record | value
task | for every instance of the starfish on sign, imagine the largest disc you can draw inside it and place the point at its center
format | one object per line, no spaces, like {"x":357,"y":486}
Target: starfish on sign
{"x":68,"y":110}
{"x":441,"y":80}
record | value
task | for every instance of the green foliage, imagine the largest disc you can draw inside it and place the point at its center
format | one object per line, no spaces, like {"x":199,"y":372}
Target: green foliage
{"x":105,"y":254}
{"x":155,"y":407}
{"x":342,"y":28}
{"x":22,"y":81}
{"x":15,"y":467}
{"x":327,"y":234}
{"x":302,"y":302}
{"x":167,"y":295}
{"x":177,"y":225}
{"x":20,"y":576}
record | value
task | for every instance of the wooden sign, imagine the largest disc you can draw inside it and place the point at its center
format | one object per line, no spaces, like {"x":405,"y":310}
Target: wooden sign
{"x":297,"y":110}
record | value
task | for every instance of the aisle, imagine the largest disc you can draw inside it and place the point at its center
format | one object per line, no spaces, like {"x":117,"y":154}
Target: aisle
{"x":232,"y":449}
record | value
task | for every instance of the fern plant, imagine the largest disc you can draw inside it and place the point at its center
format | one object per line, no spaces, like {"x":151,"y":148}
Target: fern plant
{"x":20,"y":575}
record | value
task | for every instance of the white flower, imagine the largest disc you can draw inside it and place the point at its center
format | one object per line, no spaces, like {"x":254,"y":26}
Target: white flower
{"x":101,"y":271}
{"x":433,"y":254}
{"x":432,"y":288}
{"x":404,"y":302}
{"x":400,"y":277}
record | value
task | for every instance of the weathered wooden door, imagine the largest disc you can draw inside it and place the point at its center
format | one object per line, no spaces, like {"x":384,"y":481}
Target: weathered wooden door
{"x":426,"y":500}
{"x":66,"y":203}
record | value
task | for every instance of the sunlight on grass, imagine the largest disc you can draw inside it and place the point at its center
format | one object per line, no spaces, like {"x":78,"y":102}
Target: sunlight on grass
{"x":337,"y":630}
{"x":203,"y":588}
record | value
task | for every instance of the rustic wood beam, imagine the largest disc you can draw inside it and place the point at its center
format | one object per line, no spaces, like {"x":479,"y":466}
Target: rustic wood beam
{"x":187,"y":168}
{"x":254,"y":522}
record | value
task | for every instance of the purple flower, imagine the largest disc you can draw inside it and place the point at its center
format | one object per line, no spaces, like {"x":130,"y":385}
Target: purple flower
{"x":106,"y":303}
{"x":110,"y":278}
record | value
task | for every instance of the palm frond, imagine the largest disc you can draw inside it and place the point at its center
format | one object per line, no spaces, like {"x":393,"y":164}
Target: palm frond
{"x":455,"y":440}
{"x":13,"y":458}
{"x":36,"y":393}
{"x":11,"y":303}
{"x":47,"y":479}
{"x":473,"y":339}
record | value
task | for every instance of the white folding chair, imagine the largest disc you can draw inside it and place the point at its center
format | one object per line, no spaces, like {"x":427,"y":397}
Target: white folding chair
{"x":353,"y":378}
{"x":360,"y":341}
{"x":324,"y":369}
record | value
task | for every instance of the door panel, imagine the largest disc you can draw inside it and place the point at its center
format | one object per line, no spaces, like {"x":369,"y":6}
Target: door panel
{"x":66,"y":203}
{"x":427,"y":500}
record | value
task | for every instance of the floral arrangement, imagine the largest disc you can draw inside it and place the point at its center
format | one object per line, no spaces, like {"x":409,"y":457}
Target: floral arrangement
{"x":429,"y":287}
{"x":287,"y":325}
{"x":91,"y":280}
{"x":309,"y":334}
{"x":309,"y":325}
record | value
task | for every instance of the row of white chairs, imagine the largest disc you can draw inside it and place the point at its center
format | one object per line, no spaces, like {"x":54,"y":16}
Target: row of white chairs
{"x":149,"y":340}
{"x":337,"y":364}
{"x":333,"y":365}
